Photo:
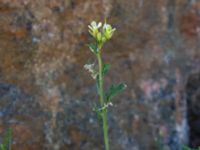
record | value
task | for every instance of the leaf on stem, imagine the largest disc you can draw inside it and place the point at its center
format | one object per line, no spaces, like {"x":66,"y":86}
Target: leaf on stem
{"x":98,"y":112}
{"x":114,"y":90}
{"x":106,"y":68}
{"x":93,"y":48}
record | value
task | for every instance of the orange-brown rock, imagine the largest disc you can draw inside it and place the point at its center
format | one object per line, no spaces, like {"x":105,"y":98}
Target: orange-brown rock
{"x":47,"y":97}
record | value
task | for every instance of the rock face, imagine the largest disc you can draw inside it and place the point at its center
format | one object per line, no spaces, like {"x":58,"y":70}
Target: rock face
{"x":47,"y":98}
{"x":193,"y":97}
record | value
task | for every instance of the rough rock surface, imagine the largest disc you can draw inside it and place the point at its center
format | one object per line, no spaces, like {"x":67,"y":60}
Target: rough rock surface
{"x":47,"y":97}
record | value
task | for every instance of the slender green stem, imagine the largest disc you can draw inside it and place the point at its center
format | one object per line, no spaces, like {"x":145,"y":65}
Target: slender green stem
{"x":105,"y":129}
{"x":104,"y":113}
{"x":100,"y":78}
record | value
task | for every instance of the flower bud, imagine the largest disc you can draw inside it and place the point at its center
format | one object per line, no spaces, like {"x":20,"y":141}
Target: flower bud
{"x":99,"y":37}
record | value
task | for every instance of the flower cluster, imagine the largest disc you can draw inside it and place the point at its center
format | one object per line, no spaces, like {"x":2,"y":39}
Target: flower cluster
{"x":101,"y":33}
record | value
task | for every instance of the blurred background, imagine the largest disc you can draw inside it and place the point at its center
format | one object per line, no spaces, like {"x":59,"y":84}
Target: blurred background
{"x":47,"y":98}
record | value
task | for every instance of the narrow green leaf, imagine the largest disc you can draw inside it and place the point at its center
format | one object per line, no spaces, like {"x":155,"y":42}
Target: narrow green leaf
{"x":9,"y":138}
{"x":2,"y":147}
{"x":114,"y":90}
{"x":187,"y":148}
{"x":93,"y":48}
{"x":106,"y":68}
{"x":7,"y":141}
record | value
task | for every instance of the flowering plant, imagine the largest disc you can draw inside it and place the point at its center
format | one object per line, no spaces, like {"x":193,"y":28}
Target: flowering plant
{"x":101,"y":34}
